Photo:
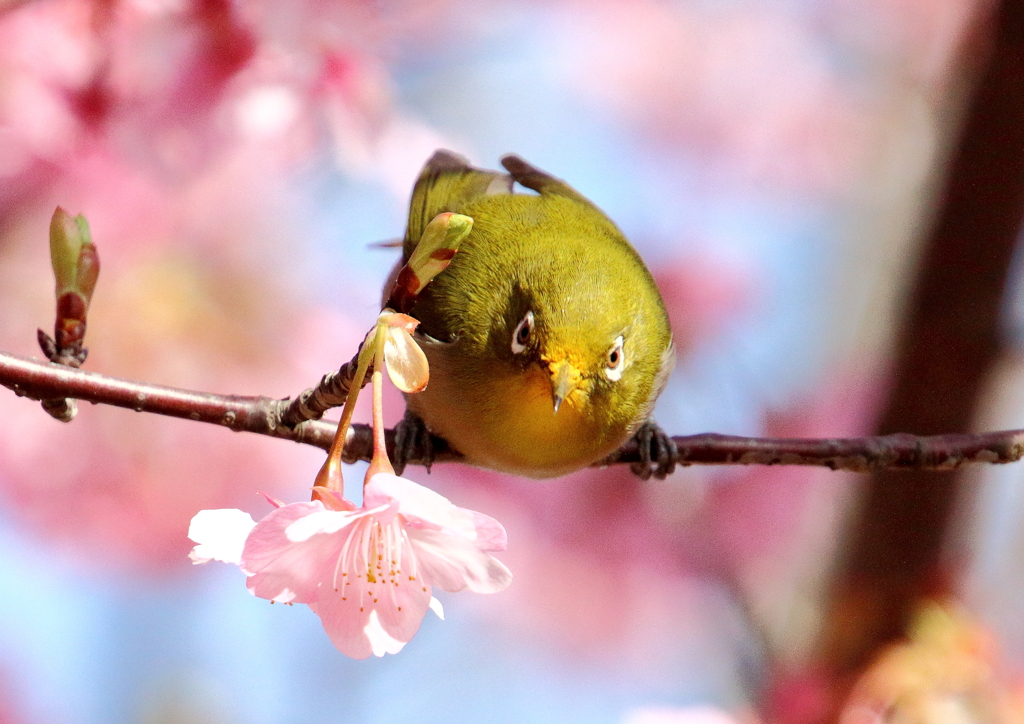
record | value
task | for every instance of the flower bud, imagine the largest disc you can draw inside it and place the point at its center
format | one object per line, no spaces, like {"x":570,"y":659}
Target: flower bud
{"x":76,"y":264}
{"x":88,"y":263}
{"x":65,"y":246}
{"x":432,"y":255}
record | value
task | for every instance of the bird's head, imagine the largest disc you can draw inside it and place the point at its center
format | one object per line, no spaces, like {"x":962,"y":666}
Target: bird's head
{"x":596,"y":352}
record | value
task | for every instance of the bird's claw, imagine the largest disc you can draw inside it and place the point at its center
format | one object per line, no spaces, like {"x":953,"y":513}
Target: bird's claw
{"x":657,"y":450}
{"x":412,"y":442}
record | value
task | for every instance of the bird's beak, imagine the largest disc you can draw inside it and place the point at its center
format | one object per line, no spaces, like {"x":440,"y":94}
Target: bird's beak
{"x":564,"y":379}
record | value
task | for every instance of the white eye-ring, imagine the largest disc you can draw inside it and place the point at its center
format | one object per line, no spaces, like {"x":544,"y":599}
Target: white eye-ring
{"x":521,"y":337}
{"x":616,"y":361}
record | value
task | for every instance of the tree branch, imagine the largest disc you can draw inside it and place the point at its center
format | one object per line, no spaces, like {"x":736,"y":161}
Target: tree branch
{"x":312,"y":403}
{"x":263,"y":415}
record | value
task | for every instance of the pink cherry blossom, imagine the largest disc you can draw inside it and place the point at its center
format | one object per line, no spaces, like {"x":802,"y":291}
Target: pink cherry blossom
{"x":366,"y":572}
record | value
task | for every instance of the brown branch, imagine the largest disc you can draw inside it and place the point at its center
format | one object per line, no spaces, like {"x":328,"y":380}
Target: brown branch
{"x":856,"y":454}
{"x":44,"y":380}
{"x":311,"y":404}
{"x":262,"y":415}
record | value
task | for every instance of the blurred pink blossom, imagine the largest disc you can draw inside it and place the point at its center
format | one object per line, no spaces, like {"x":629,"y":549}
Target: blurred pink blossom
{"x":758,"y":514}
{"x":706,"y":291}
{"x":754,"y":90}
{"x":175,"y":126}
{"x":367,"y":572}
{"x":744,"y":87}
{"x":949,"y":668}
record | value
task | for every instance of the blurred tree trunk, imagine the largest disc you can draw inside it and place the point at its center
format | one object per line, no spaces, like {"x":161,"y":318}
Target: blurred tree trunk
{"x":948,"y":340}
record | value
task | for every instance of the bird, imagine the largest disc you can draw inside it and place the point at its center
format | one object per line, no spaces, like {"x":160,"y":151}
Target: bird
{"x":546,"y":337}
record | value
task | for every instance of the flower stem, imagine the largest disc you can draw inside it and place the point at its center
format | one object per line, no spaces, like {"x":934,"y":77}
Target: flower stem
{"x":330,"y":475}
{"x":380,"y":462}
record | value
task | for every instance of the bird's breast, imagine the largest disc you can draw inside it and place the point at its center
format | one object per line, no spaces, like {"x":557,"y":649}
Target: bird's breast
{"x":508,"y":422}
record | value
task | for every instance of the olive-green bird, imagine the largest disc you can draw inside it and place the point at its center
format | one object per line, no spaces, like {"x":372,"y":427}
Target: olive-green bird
{"x":547,"y":339}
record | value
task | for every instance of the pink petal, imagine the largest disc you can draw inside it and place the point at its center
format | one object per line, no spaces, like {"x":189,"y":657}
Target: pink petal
{"x":366,"y":573}
{"x":402,"y":605}
{"x":287,"y":550}
{"x":401,"y":609}
{"x":273,"y":501}
{"x":345,"y":624}
{"x":452,"y":563}
{"x":420,"y":505}
{"x":395,"y":603}
{"x":400,"y":594}
{"x":424,"y":508}
{"x":490,"y":534}
{"x":412,"y":497}
{"x":330,"y":499}
{"x":381,"y":641}
{"x":220,"y":534}
{"x":318,"y":522}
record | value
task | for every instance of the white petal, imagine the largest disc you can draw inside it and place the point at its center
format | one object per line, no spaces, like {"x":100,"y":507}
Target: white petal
{"x":406,"y":363}
{"x":380,"y":640}
{"x":220,"y":534}
{"x":437,"y":608}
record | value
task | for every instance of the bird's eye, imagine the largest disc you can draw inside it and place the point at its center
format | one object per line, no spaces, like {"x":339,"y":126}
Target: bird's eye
{"x":521,"y":337}
{"x":616,"y":360}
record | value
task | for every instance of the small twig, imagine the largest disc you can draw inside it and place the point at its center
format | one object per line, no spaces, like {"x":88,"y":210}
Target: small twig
{"x":43,"y":380}
{"x":60,"y":408}
{"x":312,"y":403}
{"x":262,"y":415}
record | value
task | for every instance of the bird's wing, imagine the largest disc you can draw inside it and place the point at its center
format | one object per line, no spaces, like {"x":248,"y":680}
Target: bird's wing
{"x":531,"y":177}
{"x":447,"y":183}
{"x":542,"y":182}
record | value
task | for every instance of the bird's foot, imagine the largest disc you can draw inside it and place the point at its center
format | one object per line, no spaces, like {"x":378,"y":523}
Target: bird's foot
{"x":657,"y":452}
{"x":412,"y":442}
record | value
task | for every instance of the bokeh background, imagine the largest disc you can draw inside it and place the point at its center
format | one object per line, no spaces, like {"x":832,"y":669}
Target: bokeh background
{"x":775,"y":162}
